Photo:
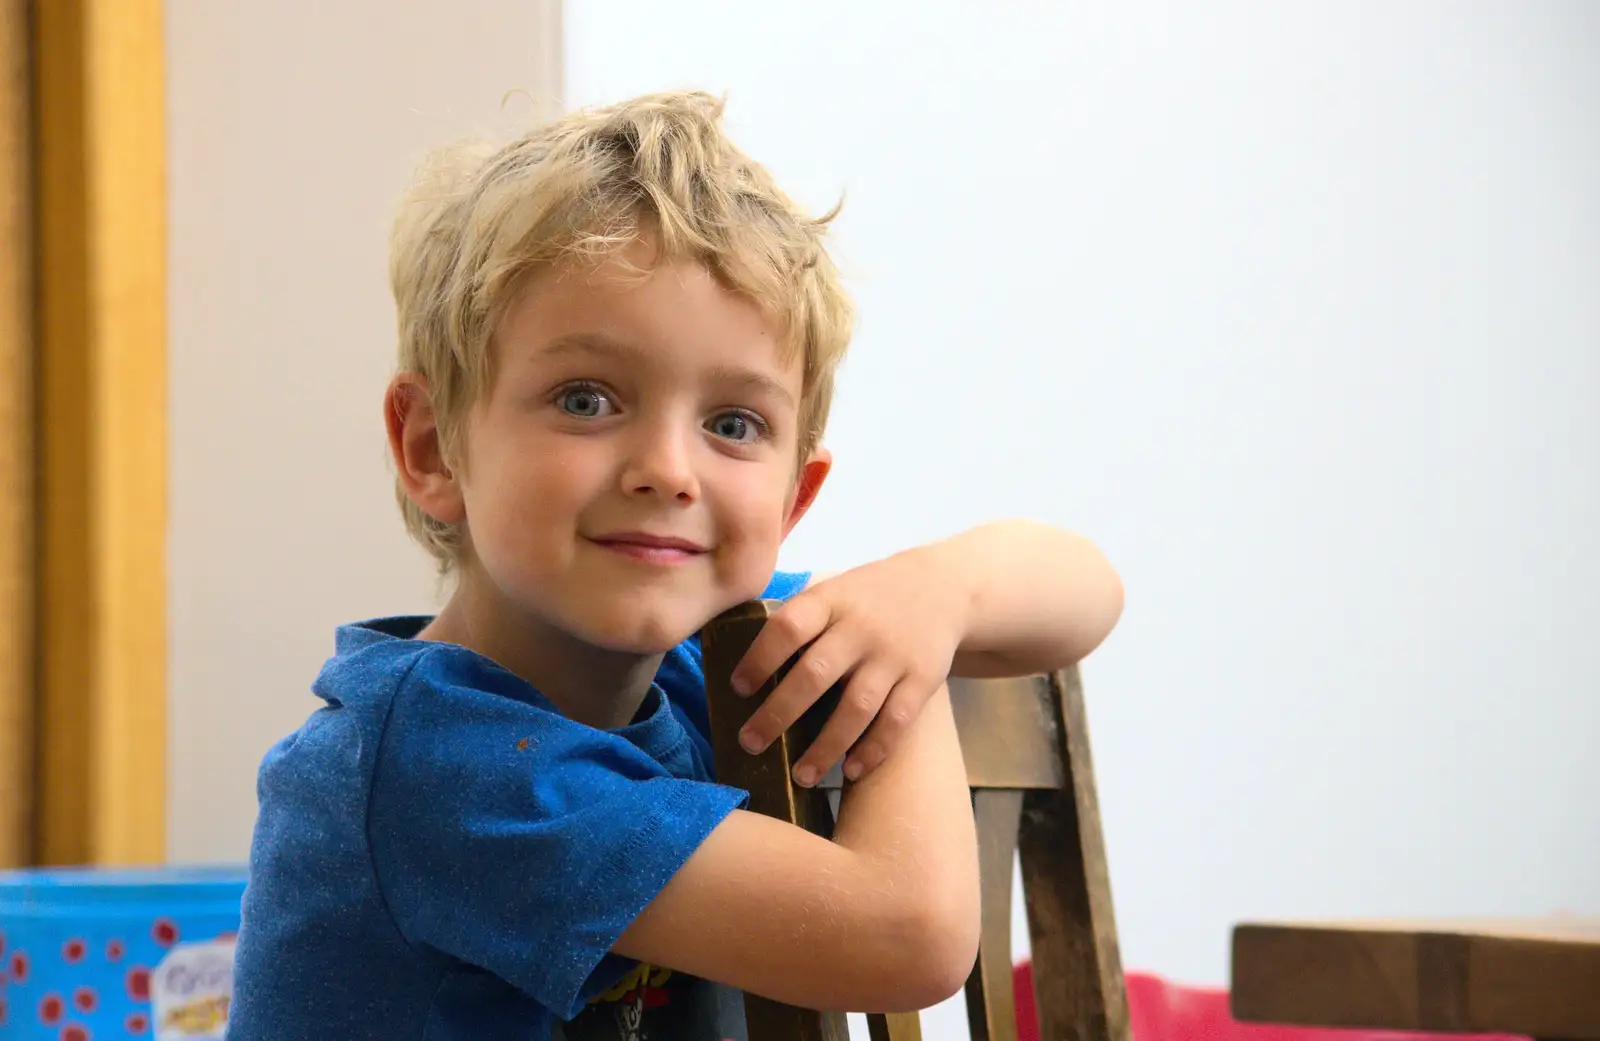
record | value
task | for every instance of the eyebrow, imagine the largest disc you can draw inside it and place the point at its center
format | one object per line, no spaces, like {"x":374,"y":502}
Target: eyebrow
{"x":622,"y":350}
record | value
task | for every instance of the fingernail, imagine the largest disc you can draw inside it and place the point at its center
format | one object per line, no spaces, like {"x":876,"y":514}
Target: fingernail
{"x":750,"y":740}
{"x":741,"y":686}
{"x":852,"y":769}
{"x":806,"y":776}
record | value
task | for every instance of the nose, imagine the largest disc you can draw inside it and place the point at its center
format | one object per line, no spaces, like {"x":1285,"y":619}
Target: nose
{"x":660,"y":463}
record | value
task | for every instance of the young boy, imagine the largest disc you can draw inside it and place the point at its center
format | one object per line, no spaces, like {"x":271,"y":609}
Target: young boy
{"x":617,"y":347}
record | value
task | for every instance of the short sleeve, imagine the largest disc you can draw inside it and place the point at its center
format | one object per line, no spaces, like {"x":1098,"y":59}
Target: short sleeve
{"x":516,"y":840}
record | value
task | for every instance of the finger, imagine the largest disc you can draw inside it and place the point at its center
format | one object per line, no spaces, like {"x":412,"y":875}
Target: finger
{"x":900,"y":710}
{"x":790,"y":628}
{"x":819,"y":668}
{"x":863,"y":695}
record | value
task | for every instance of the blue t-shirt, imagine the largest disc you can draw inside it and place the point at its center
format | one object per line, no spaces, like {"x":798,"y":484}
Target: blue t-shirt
{"x":441,"y":855}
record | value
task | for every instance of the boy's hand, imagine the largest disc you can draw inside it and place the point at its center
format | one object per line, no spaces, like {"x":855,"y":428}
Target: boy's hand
{"x":891,"y":627}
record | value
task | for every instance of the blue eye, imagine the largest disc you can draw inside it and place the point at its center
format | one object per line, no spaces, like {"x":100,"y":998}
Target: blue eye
{"x":585,"y":402}
{"x":736,"y":426}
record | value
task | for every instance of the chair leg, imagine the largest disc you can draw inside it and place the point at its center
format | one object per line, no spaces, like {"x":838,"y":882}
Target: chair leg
{"x":991,"y":1007}
{"x":1077,"y":966}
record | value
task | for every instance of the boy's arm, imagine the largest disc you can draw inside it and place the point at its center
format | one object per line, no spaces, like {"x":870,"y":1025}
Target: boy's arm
{"x":1010,"y":598}
{"x":1041,"y":598}
{"x":882,"y":918}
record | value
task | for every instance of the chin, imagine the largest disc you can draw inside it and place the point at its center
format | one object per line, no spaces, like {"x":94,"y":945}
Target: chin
{"x":646,"y":624}
{"x":641,"y":635}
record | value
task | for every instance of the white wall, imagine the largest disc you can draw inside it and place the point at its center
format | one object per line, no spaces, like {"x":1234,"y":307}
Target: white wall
{"x":1296,"y":309}
{"x":294,"y":125}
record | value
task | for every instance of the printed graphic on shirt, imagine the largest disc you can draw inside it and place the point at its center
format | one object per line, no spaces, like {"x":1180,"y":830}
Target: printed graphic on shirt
{"x":655,"y":1004}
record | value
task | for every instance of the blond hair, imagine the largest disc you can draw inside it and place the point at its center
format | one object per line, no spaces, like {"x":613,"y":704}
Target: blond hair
{"x":479,"y":220}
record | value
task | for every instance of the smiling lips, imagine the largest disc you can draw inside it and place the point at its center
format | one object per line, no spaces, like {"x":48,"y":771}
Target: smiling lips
{"x":650,"y":549}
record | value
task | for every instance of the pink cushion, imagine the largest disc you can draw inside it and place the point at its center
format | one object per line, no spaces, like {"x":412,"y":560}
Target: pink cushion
{"x":1159,"y":1010}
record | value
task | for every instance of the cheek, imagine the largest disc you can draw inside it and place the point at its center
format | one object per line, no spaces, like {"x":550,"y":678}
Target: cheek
{"x":755,"y":508}
{"x":522,"y":490}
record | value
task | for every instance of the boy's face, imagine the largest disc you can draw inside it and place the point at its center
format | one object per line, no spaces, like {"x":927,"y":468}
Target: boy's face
{"x":632,"y":471}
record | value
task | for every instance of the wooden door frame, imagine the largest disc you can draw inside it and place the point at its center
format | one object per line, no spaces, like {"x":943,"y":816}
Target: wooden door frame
{"x":16,"y":440}
{"x":101,"y":401}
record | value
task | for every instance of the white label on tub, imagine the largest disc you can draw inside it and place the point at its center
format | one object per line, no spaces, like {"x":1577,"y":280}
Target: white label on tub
{"x":190,"y":991}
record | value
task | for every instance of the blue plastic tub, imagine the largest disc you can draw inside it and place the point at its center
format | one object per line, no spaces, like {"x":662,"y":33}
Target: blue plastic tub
{"x":77,"y":946}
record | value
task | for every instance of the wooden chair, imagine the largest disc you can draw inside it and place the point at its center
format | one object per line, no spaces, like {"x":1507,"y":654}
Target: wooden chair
{"x":1026,"y":747}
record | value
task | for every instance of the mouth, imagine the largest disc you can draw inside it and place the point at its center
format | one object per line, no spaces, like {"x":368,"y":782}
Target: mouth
{"x":650,"y":549}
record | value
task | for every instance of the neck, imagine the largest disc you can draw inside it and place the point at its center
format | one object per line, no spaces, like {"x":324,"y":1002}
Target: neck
{"x":591,"y":685}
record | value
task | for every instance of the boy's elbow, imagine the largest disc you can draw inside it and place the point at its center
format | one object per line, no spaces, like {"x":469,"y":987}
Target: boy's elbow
{"x":940,"y":950}
{"x":951,"y":951}
{"x":1097,"y":608}
{"x":1109,"y":604}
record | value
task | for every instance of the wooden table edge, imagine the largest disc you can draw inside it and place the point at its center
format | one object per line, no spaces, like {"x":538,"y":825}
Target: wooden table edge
{"x":1502,"y":976}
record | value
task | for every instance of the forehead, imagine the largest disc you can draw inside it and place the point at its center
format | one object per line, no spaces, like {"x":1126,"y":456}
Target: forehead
{"x":676,"y":313}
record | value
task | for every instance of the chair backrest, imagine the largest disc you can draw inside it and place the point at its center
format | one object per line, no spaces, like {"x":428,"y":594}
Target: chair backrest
{"x":1026,"y":746}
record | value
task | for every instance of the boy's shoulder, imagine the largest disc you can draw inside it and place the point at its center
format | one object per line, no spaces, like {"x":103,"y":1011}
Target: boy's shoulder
{"x":388,"y":699}
{"x":356,"y":685}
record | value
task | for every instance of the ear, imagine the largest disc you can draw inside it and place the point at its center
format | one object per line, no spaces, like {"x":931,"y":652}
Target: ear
{"x":813,"y":472}
{"x":418,"y":456}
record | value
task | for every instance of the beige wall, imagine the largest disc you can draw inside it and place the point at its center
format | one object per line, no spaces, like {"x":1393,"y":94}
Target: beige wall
{"x":293,"y":126}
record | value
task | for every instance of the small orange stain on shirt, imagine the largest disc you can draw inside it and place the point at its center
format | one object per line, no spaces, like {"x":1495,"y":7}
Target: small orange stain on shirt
{"x":522,"y":746}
